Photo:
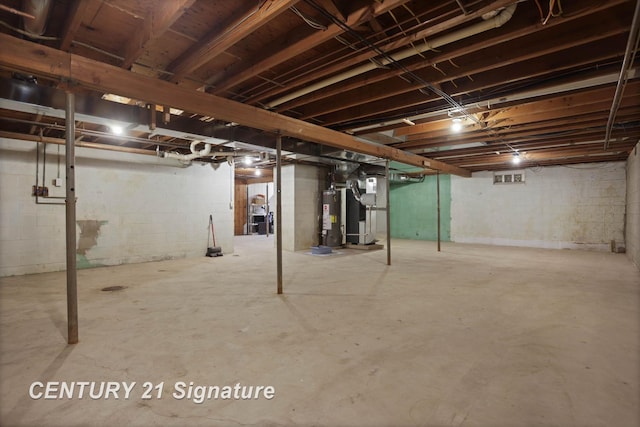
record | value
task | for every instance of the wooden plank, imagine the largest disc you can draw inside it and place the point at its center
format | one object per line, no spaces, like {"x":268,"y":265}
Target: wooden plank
{"x":235,"y":77}
{"x":163,"y":15}
{"x":222,"y":39}
{"x":79,"y":10}
{"x":27,"y":56}
{"x":240,"y":207}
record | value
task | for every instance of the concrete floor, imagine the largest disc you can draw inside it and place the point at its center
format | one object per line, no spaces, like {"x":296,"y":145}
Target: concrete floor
{"x":473,"y":336}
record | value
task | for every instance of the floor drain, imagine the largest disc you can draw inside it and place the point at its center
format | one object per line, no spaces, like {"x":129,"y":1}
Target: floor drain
{"x":113,"y":288}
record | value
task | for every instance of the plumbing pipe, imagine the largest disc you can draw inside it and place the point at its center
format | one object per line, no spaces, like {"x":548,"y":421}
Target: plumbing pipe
{"x":496,"y":22}
{"x":194,"y":154}
{"x":39,"y":10}
{"x":627,"y":63}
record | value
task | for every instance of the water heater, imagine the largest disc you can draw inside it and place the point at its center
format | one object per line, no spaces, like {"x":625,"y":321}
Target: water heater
{"x":331,"y":206}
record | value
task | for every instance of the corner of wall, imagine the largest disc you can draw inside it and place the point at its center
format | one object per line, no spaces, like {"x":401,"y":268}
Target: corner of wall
{"x":632,"y":223}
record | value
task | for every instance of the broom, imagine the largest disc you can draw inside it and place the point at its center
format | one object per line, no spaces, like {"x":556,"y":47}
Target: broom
{"x":212,"y":250}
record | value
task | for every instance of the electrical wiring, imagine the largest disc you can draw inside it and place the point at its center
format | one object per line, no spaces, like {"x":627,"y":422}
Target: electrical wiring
{"x":459,"y":108}
{"x":560,"y":12}
{"x":552,"y":4}
{"x":540,"y":11}
{"x":309,"y":21}
{"x":25,"y":33}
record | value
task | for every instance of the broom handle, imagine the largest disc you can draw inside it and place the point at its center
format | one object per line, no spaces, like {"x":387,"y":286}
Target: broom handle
{"x":213,"y":234}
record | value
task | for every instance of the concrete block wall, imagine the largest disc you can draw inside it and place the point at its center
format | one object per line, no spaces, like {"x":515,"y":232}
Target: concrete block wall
{"x":578,"y":207}
{"x":309,"y":182}
{"x":130,"y":208}
{"x":302,"y":187}
{"x":632,"y":229}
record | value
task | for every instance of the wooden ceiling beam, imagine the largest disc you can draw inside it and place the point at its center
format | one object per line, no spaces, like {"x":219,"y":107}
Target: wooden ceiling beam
{"x":79,"y":10}
{"x":23,"y":55}
{"x":578,"y":126}
{"x":538,"y":121}
{"x":539,"y":155}
{"x":581,"y":36}
{"x":560,"y":105}
{"x":369,"y":54}
{"x":236,"y":76}
{"x":564,"y":101}
{"x":219,"y":40}
{"x":363,"y":91}
{"x":162,"y":16}
{"x":411,"y":97}
{"x":553,"y":145}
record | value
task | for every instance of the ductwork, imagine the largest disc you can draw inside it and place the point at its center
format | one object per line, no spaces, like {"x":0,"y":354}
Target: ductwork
{"x":39,"y":9}
{"x":194,"y":154}
{"x":496,"y":21}
{"x":352,"y":183}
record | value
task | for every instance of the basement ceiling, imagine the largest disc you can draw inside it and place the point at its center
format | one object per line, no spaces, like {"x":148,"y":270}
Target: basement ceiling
{"x":388,"y":78}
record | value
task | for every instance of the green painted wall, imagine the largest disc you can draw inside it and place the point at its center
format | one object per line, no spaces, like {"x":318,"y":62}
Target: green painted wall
{"x":414,"y":209}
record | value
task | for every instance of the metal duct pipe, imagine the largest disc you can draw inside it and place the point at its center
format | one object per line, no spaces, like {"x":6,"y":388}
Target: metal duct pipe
{"x":39,"y":9}
{"x":404,"y":179}
{"x":352,"y":183}
{"x":495,"y":22}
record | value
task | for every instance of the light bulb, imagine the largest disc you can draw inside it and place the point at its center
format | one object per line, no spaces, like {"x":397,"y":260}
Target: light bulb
{"x":117,"y":130}
{"x":248,"y":160}
{"x":456,"y":126}
{"x":516,"y":158}
{"x":258,"y":172}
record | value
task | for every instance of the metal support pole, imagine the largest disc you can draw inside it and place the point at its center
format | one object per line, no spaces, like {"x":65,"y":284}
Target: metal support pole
{"x":279,"y":212}
{"x":70,"y":158}
{"x":266,"y":211}
{"x":386,"y":172}
{"x":438,"y":197}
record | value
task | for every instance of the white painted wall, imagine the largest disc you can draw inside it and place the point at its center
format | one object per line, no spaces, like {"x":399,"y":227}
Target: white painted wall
{"x":146,"y":209}
{"x":633,"y":206}
{"x":578,"y":206}
{"x":302,"y":187}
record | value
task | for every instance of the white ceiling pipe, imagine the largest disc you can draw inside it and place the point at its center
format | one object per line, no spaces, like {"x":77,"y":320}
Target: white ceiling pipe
{"x":39,"y":9}
{"x":194,"y":154}
{"x":496,"y":22}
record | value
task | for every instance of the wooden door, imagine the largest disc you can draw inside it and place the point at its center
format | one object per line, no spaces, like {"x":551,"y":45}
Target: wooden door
{"x":240,"y":207}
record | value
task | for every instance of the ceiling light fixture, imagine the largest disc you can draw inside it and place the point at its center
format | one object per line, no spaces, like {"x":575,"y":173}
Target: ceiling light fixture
{"x":117,"y":129}
{"x":258,"y":172}
{"x":248,"y":160}
{"x":516,"y":158}
{"x":456,"y":126}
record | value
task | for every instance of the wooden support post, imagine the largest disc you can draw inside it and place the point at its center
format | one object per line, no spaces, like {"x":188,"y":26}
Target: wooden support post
{"x":438,"y":197}
{"x":388,"y":213}
{"x":279,"y":211}
{"x":72,"y":284}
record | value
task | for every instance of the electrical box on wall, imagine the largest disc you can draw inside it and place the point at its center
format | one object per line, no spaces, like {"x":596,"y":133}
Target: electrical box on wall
{"x":510,"y":177}
{"x":57,"y":182}
{"x":39,"y":191}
